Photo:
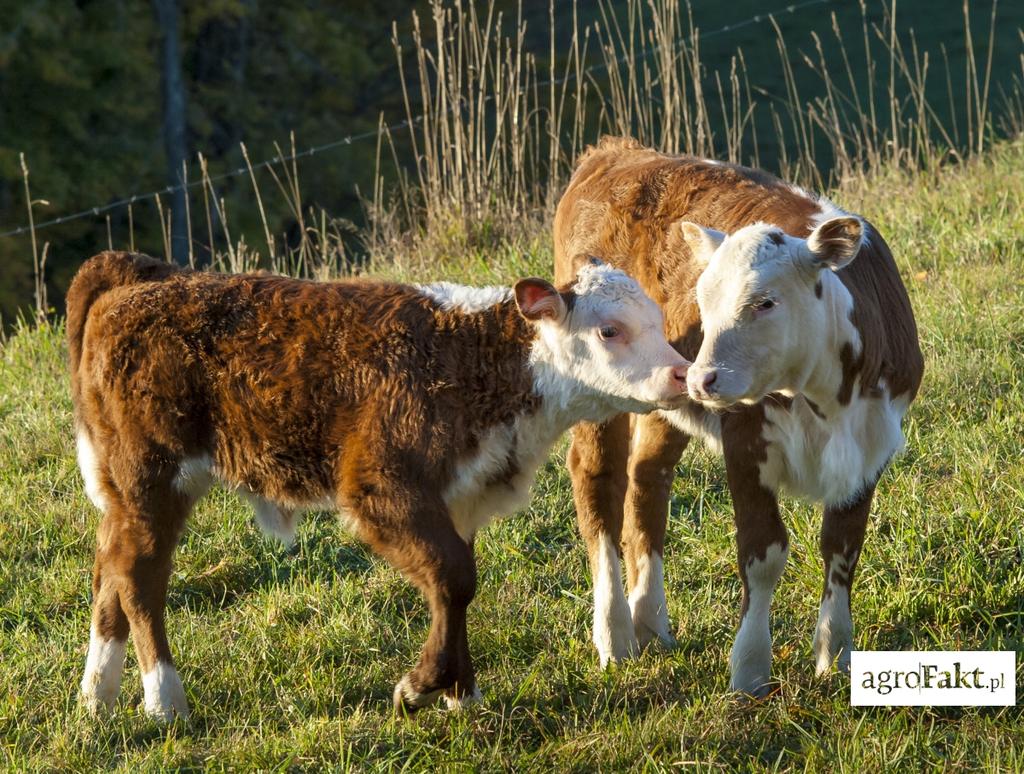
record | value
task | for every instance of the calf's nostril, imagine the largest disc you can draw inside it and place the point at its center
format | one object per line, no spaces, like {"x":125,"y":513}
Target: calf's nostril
{"x":709,"y":381}
{"x":679,"y":374}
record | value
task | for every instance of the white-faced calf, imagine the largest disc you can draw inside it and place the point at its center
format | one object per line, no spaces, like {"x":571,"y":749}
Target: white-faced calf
{"x":419,"y":413}
{"x":805,"y":360}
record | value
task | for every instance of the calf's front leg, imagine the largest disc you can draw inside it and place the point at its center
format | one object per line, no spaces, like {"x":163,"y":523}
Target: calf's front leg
{"x":762,"y":547}
{"x":842,"y":537}
{"x":414,"y":533}
{"x":597,"y":464}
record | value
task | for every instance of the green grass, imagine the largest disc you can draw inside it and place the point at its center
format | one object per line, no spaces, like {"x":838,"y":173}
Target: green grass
{"x":289,"y":657}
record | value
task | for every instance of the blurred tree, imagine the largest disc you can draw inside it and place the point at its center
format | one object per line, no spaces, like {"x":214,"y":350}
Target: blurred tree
{"x":80,"y":95}
{"x":75,"y":95}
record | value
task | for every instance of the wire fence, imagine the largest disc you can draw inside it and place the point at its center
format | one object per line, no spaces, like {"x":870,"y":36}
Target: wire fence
{"x":126,"y":201}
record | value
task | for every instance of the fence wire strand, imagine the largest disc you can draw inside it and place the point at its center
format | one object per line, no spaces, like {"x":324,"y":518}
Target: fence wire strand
{"x":98,"y":210}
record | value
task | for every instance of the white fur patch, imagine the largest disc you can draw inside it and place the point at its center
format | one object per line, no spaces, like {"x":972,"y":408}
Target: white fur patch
{"x":833,"y":635}
{"x":697,"y":423}
{"x":831,"y":460}
{"x":751,"y":659}
{"x":273,"y":519}
{"x":104,"y":667}
{"x":466,"y":298}
{"x":90,"y":468}
{"x":614,"y":636}
{"x":473,"y":502}
{"x":412,"y":697}
{"x":647,"y":601}
{"x":195,"y":476}
{"x":564,"y":396}
{"x":164,"y":695}
{"x":464,"y":702}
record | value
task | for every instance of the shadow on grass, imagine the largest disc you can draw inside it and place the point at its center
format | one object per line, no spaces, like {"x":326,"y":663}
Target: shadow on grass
{"x":320,"y":555}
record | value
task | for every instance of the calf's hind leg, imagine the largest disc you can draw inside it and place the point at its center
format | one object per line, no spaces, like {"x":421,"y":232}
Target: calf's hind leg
{"x":108,"y":630}
{"x":133,"y":566}
{"x":655,"y":450}
{"x":108,"y":635}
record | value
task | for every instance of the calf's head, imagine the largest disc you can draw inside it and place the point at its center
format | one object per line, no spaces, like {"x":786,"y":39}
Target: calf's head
{"x":760,"y":296}
{"x":603,"y":336}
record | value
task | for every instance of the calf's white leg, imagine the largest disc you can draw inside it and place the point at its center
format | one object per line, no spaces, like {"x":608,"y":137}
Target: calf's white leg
{"x":751,"y":658}
{"x":597,"y":461}
{"x":104,"y":666}
{"x":163,"y":694}
{"x":647,"y":601}
{"x":842,"y":537}
{"x":655,"y":448}
{"x":614,"y":635}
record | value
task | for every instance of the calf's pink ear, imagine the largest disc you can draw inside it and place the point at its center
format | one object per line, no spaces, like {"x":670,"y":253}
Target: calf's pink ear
{"x":702,"y":241}
{"x":836,"y":241}
{"x":537,"y":299}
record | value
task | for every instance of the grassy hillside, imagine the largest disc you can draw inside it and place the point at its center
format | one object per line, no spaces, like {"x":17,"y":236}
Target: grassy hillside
{"x":289,"y":658}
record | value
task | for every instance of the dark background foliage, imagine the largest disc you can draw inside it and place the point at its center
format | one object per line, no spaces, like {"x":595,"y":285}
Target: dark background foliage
{"x":80,"y":96}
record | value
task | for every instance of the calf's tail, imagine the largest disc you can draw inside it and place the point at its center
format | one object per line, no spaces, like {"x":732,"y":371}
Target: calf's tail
{"x":99,"y":274}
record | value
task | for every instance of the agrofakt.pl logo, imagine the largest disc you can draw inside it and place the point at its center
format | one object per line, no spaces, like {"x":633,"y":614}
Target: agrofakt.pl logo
{"x":979,"y":678}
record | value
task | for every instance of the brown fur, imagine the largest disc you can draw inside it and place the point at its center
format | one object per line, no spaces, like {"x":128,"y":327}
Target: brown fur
{"x":624,"y":204}
{"x":624,"y":198}
{"x":364,"y":393}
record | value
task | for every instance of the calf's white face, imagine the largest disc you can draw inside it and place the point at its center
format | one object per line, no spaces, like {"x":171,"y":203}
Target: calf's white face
{"x":607,"y":337}
{"x":760,"y":298}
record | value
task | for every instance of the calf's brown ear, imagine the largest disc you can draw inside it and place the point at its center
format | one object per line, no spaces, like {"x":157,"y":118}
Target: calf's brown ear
{"x":537,"y":299}
{"x":836,"y":242}
{"x":702,"y":241}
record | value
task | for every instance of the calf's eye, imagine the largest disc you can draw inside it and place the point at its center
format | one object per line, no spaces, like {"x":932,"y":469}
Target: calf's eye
{"x":764,"y":305}
{"x":608,"y":332}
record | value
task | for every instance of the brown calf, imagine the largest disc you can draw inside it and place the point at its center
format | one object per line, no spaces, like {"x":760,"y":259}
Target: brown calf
{"x":419,"y":413}
{"x":805,"y":361}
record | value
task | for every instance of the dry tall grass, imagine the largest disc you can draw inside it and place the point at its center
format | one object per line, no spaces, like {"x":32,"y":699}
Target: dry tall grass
{"x":492,"y":132}
{"x":494,"y":136}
